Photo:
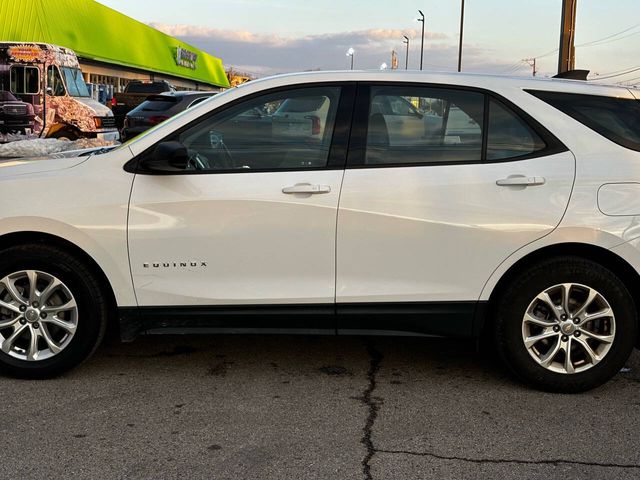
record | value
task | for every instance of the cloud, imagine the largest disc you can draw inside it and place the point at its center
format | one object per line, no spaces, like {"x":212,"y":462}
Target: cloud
{"x":262,"y":54}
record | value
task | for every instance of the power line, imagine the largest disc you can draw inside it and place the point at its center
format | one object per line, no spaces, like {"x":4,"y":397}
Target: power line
{"x":592,"y":42}
{"x":618,"y":74}
{"x":516,"y":66}
{"x":619,"y":71}
{"x":597,"y":42}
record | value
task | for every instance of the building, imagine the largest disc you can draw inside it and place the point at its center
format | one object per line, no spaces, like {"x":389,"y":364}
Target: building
{"x":113,"y":49}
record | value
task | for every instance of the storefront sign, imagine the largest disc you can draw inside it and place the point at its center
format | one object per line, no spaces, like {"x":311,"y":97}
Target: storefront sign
{"x":25,"y":53}
{"x":186,"y":58}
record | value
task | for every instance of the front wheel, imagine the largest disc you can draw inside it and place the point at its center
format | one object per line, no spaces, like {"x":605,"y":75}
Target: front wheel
{"x":566,"y":325}
{"x":52,"y":311}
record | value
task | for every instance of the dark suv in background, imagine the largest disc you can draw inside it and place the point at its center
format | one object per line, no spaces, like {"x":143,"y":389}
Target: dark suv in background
{"x":15,"y":115}
{"x":158,"y":108}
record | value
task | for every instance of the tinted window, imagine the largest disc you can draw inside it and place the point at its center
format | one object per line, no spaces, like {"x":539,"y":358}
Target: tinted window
{"x":617,"y":119}
{"x":299,"y":105}
{"x":140,"y":87}
{"x":257,"y":135}
{"x":25,"y":80}
{"x":157,"y":104}
{"x":508,"y":135}
{"x":409,"y":125}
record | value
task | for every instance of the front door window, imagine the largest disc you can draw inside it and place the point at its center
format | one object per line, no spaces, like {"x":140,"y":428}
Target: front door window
{"x":279,"y":131}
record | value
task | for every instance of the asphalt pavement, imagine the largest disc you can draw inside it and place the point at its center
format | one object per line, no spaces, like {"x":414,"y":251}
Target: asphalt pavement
{"x":298,"y":407}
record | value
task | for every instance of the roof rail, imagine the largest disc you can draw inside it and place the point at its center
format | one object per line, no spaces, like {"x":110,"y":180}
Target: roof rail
{"x":573,"y":75}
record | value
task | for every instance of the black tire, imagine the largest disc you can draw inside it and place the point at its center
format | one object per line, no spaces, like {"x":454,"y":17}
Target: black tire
{"x":91,"y":303}
{"x":527,"y":285}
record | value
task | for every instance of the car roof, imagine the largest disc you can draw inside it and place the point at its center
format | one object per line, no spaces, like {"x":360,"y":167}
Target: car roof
{"x":478,"y":80}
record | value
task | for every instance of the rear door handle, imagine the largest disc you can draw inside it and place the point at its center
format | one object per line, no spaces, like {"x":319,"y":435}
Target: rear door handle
{"x":520,"y":181}
{"x":307,"y":188}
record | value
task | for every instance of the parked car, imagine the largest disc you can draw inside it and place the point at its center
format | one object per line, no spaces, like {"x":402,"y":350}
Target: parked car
{"x":135,"y":92}
{"x":15,"y":115}
{"x":524,"y":232}
{"x":302,"y":117}
{"x":158,"y":108}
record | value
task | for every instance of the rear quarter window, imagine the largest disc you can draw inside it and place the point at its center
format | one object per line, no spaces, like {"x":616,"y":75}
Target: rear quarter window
{"x":617,"y":119}
{"x":157,"y":104}
{"x":141,"y":87}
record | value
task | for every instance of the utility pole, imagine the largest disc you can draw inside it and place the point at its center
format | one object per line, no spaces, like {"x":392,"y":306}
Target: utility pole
{"x":406,"y":62}
{"x":532,"y":63}
{"x":460,"y":40}
{"x":567,"y":56}
{"x":422,"y":43}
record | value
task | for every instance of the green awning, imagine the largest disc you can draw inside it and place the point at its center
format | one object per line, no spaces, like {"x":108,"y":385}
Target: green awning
{"x":96,"y":32}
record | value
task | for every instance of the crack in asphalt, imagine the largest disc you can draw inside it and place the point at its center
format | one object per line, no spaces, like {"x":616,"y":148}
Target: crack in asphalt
{"x":372,"y":405}
{"x":511,"y":461}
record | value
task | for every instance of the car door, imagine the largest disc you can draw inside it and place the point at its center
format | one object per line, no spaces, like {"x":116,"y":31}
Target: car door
{"x":428,"y":219}
{"x":252,"y":219}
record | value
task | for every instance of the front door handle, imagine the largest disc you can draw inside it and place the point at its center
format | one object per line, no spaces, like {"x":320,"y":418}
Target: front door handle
{"x":307,"y":188}
{"x":520,"y":181}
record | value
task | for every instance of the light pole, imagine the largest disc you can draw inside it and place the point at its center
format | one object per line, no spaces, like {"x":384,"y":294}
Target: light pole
{"x":461,"y":31}
{"x":350,"y":53}
{"x":406,"y":62}
{"x":422,"y":43}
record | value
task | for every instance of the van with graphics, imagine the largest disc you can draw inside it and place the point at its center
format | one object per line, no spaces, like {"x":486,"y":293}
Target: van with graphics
{"x":48,"y":77}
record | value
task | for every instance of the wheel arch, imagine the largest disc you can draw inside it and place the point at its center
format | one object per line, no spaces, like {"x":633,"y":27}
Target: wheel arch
{"x":608,"y":259}
{"x":17,"y":238}
{"x":58,"y":129}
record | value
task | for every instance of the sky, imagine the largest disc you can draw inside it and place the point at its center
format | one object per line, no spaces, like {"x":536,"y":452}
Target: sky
{"x":275,"y":36}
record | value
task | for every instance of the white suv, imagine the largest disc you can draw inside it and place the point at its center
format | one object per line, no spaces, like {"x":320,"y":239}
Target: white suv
{"x":512,"y":216}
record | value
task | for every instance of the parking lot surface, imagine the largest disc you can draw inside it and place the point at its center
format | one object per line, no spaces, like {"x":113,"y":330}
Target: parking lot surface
{"x":236,"y":407}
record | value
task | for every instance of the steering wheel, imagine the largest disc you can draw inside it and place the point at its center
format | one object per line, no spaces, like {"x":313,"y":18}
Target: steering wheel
{"x":226,"y":159}
{"x":197,"y":161}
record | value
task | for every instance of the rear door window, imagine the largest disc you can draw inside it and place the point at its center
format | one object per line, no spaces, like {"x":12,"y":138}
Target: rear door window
{"x":422,"y":125}
{"x":617,"y":119}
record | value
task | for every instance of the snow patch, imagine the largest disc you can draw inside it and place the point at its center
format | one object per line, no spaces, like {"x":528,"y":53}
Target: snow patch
{"x":39,"y":147}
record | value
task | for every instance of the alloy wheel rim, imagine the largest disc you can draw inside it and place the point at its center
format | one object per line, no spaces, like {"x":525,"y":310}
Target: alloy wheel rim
{"x":568,"y":328}
{"x":38,"y":315}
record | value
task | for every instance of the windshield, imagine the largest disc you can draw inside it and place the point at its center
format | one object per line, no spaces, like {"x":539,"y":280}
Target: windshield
{"x":75,"y":83}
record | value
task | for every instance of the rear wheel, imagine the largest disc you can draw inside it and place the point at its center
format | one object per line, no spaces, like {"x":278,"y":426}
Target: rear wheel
{"x":566,"y":325}
{"x":65,"y":134}
{"x":52,"y":311}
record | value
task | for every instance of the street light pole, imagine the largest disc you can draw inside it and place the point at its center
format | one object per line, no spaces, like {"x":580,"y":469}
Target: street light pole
{"x":350,"y":53}
{"x":406,"y":62}
{"x":422,"y":43}
{"x":461,"y":32}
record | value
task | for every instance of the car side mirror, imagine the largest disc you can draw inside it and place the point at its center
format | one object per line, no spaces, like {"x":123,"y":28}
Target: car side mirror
{"x":167,"y":157}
